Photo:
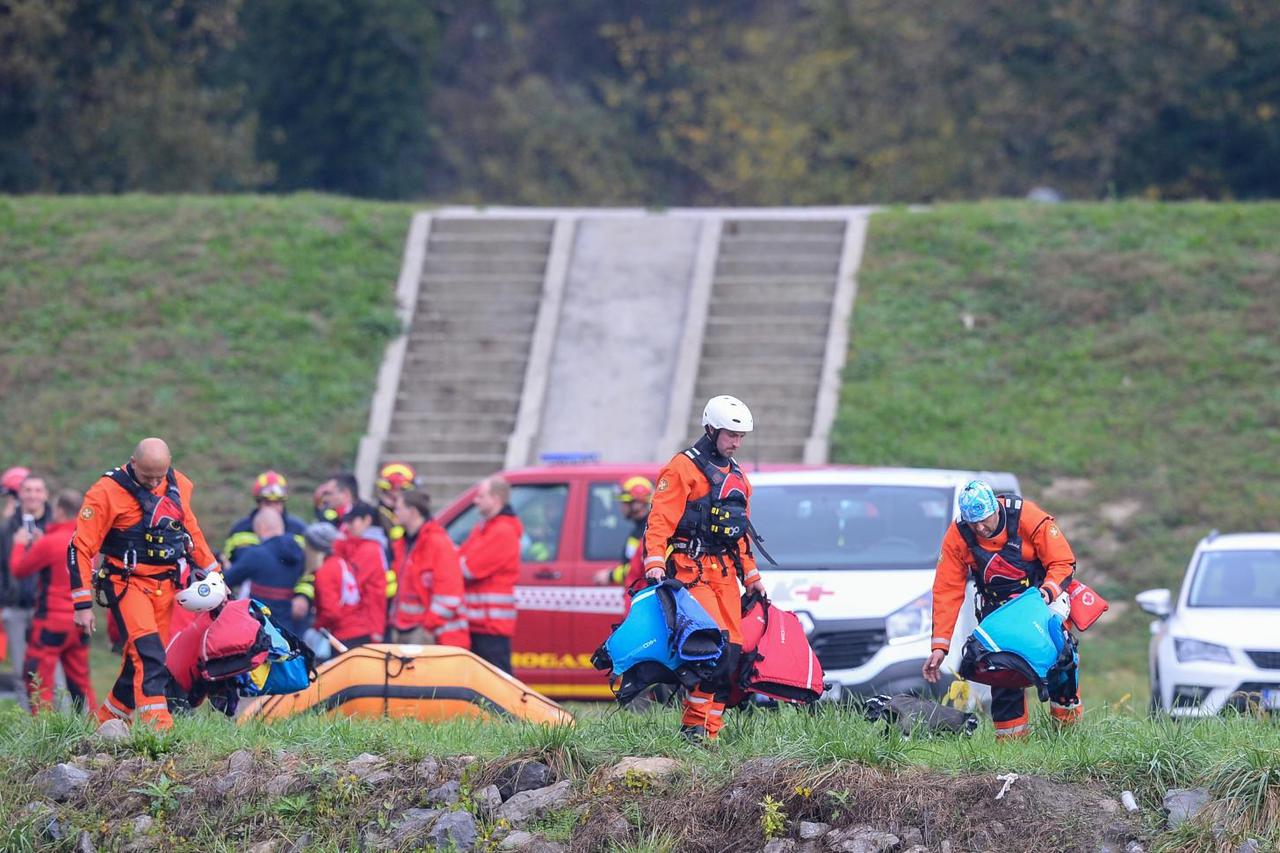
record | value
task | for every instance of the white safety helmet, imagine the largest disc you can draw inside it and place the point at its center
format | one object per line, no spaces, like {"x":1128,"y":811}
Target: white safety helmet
{"x":207,"y":594}
{"x":725,"y":412}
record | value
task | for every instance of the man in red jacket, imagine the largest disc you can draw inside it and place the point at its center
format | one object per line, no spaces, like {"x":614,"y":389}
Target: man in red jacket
{"x":370,"y":561}
{"x":54,"y":636}
{"x":428,"y":608}
{"x":490,"y":560}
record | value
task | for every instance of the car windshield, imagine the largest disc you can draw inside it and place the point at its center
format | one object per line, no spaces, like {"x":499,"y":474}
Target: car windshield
{"x":851,"y":526}
{"x":1236,"y":579}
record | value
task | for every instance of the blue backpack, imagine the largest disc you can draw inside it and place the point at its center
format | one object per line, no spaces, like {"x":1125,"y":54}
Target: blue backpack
{"x":289,"y":667}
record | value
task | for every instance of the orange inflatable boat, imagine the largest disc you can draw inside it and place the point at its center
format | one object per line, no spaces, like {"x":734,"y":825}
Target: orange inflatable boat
{"x":430,"y":683}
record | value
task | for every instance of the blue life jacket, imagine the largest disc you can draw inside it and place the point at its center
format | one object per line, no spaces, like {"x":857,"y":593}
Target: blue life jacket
{"x":667,"y":638}
{"x":1022,"y":644}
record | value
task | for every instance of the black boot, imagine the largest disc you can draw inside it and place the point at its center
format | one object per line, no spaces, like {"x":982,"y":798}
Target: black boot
{"x":693,"y":734}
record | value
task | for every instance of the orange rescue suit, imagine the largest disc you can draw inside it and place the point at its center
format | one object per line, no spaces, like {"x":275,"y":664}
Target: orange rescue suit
{"x":1041,"y":540}
{"x":140,"y":602}
{"x":711,"y":579}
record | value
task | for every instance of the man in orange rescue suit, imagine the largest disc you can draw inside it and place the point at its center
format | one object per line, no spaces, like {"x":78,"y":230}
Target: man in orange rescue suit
{"x":140,"y":517}
{"x":1009,"y":545}
{"x":698,"y":533}
{"x":490,"y":562}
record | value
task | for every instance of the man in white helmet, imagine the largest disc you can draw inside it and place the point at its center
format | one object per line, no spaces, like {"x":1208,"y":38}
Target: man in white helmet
{"x":698,"y":533}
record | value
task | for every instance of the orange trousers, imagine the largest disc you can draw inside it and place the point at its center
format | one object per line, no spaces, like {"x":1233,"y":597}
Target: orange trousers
{"x":141,"y":607}
{"x":718,"y":592}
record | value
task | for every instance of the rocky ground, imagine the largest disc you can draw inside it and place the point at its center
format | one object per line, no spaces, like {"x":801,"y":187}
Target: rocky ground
{"x":285,"y":801}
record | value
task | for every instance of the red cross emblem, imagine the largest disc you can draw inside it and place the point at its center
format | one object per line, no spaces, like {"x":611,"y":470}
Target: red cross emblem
{"x":813,"y":593}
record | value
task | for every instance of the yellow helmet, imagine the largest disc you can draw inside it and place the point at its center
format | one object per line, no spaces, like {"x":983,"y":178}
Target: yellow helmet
{"x":271,"y":486}
{"x":396,"y":475}
{"x":635,"y":489}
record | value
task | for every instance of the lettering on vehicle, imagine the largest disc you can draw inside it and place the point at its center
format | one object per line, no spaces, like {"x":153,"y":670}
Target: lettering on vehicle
{"x":550,"y":660}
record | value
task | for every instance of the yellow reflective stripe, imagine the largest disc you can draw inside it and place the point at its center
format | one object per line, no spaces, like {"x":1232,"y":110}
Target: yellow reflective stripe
{"x":239,"y":540}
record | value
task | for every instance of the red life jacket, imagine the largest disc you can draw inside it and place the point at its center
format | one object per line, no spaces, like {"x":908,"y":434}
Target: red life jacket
{"x":777,"y":659}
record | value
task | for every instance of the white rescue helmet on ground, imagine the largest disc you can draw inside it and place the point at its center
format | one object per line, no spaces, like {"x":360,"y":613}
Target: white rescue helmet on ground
{"x":207,"y":594}
{"x":725,"y":412}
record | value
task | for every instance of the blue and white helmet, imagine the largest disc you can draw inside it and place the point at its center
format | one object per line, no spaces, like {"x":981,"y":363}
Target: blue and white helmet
{"x":977,"y":501}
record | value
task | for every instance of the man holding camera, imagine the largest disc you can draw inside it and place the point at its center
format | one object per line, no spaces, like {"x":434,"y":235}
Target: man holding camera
{"x":28,"y":504}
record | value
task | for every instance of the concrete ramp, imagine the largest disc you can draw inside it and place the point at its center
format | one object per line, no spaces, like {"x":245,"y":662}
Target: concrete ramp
{"x":618,"y":341}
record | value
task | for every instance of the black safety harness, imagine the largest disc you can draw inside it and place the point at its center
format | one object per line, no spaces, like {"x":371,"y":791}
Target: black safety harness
{"x":714,"y":524}
{"x":155,"y":540}
{"x":995,"y":589}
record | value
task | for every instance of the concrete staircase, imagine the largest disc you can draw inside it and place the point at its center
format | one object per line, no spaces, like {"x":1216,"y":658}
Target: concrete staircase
{"x":767,"y":326}
{"x":467,"y":349}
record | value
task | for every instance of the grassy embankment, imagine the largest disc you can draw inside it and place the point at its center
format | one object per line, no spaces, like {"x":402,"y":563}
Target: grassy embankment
{"x":245,"y":330}
{"x":1122,"y":359}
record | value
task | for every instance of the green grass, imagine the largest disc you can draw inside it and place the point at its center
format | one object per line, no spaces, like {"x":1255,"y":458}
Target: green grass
{"x":1120,"y":358}
{"x":1236,"y":758}
{"x":247,"y":331}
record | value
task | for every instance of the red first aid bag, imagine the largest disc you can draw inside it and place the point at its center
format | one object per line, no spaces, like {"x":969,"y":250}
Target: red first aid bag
{"x":1086,"y":605}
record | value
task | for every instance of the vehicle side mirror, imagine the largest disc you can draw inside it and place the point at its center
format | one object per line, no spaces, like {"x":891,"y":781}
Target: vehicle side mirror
{"x":1157,"y":602}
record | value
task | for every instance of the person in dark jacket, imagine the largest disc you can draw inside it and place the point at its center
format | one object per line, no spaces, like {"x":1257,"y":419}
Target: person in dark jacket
{"x":270,"y":491}
{"x":271,"y":568}
{"x":18,"y":595}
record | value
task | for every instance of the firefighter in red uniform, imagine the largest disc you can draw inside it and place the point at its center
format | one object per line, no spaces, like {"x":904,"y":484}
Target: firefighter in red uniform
{"x":428,"y":608}
{"x":490,"y":562}
{"x":698,"y":533}
{"x":635,"y":498}
{"x":141,"y":519}
{"x":54,"y":636}
{"x":1009,"y":546}
{"x":369,"y":558}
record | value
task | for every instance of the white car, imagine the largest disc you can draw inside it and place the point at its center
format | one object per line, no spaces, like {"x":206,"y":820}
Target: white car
{"x":1218,"y":645}
{"x":856,"y":551}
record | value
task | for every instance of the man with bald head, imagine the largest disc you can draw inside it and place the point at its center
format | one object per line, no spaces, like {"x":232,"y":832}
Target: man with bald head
{"x":272,"y":567}
{"x":139,"y":516}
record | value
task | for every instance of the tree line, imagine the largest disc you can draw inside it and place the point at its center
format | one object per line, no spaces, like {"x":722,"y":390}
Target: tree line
{"x":652,"y":102}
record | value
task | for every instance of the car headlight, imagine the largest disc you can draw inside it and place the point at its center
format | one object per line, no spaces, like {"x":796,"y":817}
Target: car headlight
{"x":911,"y":622}
{"x":806,"y":622}
{"x":1193,"y":650}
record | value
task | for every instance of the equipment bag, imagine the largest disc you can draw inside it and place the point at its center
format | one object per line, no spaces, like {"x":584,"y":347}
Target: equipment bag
{"x":1086,"y":605}
{"x":913,"y":714}
{"x":1016,"y":646}
{"x":289,"y":667}
{"x":777,"y":660}
{"x":666,"y":638}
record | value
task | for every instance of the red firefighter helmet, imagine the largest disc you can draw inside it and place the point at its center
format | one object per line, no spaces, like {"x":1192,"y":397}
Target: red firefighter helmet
{"x":12,"y":478}
{"x":635,"y":489}
{"x":396,"y":475}
{"x":271,"y":486}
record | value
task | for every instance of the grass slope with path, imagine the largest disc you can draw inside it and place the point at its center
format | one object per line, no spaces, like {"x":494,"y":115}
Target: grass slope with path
{"x":1123,"y":359}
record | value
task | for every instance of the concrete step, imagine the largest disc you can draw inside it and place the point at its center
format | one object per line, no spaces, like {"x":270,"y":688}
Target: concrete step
{"x":782,"y":265}
{"x":786,"y":246}
{"x":477,"y":292}
{"x":449,"y":246}
{"x":484,"y":265}
{"x":435,"y":349}
{"x":726,"y":346}
{"x":437,"y":360}
{"x":460,"y":327}
{"x":412,"y":404}
{"x":454,"y":425}
{"x":442,"y":490}
{"x":747,"y":371}
{"x":750,"y":328}
{"x":399,"y":445}
{"x":490,"y":228}
{"x":774,"y":287}
{"x":773,"y":308}
{"x":778,"y":227}
{"x":444,"y":280}
{"x":471,"y":466}
{"x":461,"y":375}
{"x":465,"y":302}
{"x":438,"y":387}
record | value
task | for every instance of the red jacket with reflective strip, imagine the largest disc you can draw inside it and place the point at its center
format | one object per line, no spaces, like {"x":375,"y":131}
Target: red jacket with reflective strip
{"x":431,"y":586}
{"x":490,"y":562}
{"x":47,"y":557}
